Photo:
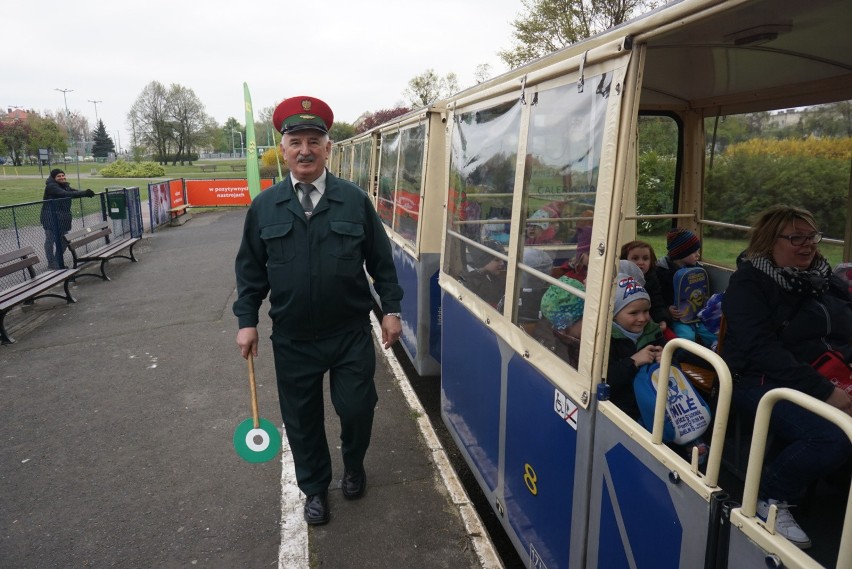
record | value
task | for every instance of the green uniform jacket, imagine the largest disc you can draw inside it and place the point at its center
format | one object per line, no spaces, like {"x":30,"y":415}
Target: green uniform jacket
{"x":314,"y":270}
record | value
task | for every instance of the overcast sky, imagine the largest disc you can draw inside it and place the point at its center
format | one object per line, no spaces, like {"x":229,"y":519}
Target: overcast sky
{"x":357,"y":55}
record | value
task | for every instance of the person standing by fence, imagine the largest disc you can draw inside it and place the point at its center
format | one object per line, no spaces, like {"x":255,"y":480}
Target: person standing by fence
{"x":56,"y":214}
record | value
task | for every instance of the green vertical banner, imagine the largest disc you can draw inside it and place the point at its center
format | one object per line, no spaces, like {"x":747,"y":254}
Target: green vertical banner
{"x":252,"y":170}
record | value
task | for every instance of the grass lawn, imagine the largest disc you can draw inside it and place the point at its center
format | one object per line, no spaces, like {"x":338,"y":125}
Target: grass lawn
{"x":15,"y":189}
{"x":724,"y":252}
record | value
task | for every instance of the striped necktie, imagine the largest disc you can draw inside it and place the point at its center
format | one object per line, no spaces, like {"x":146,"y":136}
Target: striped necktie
{"x":307,"y":203}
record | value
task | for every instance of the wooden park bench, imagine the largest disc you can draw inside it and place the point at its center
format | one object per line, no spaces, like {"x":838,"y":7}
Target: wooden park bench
{"x":34,"y":286}
{"x":207,"y":167}
{"x":238,"y":167}
{"x":78,"y":240}
{"x":179,"y":214}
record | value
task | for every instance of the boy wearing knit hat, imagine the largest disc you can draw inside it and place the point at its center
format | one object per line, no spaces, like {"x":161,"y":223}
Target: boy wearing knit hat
{"x":684,"y":250}
{"x":636,"y":340}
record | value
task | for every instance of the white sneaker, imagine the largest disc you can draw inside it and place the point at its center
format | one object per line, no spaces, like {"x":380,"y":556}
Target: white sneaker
{"x":785,"y":525}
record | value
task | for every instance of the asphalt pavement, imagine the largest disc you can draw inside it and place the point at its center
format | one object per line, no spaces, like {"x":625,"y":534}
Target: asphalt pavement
{"x":118,"y":415}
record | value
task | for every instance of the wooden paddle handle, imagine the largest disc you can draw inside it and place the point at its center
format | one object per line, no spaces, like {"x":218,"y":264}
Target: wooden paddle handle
{"x":253,"y":387}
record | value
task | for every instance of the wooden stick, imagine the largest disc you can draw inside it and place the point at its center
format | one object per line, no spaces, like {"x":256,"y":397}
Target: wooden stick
{"x":253,"y":387}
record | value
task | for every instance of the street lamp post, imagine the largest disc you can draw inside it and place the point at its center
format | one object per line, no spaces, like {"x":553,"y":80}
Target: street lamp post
{"x":70,"y":132}
{"x":233,"y":149}
{"x":96,"y":110}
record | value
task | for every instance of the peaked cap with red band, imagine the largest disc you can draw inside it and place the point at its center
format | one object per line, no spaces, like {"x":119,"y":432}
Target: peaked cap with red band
{"x":302,"y":113}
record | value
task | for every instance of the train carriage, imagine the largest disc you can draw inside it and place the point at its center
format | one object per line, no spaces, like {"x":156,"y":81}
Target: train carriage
{"x":548,"y":170}
{"x":390,"y":163}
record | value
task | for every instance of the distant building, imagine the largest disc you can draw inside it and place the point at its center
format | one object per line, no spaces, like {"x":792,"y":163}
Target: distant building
{"x":784,"y":119}
{"x":13,"y":115}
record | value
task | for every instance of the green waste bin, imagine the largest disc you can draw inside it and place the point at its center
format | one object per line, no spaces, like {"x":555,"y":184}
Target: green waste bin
{"x":117,"y":205}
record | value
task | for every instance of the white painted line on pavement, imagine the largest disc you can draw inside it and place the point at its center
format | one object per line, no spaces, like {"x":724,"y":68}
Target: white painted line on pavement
{"x":482,"y":545}
{"x":293,"y":552}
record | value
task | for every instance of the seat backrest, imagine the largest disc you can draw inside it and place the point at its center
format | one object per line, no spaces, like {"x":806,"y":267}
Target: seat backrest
{"x":19,"y":259}
{"x":704,"y":378}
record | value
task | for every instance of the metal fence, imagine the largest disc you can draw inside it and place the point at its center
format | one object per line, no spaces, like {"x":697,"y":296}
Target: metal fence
{"x":42,"y":224}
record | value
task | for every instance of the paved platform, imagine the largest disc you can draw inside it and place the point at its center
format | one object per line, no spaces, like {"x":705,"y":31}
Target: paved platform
{"x":118,"y":415}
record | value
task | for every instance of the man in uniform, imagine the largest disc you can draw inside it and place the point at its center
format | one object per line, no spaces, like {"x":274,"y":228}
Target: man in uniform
{"x":306,"y":242}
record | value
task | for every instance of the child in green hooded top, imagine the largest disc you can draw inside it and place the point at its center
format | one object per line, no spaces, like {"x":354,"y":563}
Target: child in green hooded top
{"x":636,"y":340}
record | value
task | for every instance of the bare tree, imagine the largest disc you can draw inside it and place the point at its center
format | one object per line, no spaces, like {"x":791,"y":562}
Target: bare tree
{"x":149,"y":116}
{"x":170,"y":123}
{"x":482,"y":73}
{"x":189,"y":120}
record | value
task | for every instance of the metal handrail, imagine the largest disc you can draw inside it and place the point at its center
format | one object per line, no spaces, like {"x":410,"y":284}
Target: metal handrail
{"x":758,"y":452}
{"x":723,"y":406}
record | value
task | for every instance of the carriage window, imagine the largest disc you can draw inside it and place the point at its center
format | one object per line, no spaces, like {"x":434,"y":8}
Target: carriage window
{"x":482,"y":177}
{"x":560,"y":181}
{"x":387,"y":176}
{"x":346,"y":162}
{"x":407,"y":195}
{"x":361,"y":165}
{"x":794,"y":156}
{"x":659,"y":144}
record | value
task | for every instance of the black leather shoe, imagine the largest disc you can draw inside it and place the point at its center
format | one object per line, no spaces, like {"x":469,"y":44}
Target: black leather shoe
{"x":317,"y":511}
{"x":354,"y":483}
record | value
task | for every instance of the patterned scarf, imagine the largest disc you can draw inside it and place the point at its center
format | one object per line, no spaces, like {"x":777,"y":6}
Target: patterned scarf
{"x":811,"y":282}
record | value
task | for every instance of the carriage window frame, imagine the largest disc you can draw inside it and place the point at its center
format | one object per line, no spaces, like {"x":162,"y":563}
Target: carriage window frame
{"x":478,"y":261}
{"x":562,"y":160}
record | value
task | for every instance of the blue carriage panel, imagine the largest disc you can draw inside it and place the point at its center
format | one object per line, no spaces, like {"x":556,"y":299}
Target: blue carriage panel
{"x":540,"y":461}
{"x":435,"y":320}
{"x":406,"y":271}
{"x":638,"y":516}
{"x":420,"y":306}
{"x":470,"y":387}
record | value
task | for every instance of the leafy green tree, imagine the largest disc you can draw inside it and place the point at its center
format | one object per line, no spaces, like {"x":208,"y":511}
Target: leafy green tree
{"x":549,"y":25}
{"x":658,"y":134}
{"x":655,"y":188}
{"x":742,"y":184}
{"x":264,"y":133}
{"x":103,"y":144}
{"x":341,"y":131}
{"x":725,"y":131}
{"x":45,"y":133}
{"x":229,"y":135}
{"x":15,"y":136}
{"x":834,"y":119}
{"x":428,"y":87}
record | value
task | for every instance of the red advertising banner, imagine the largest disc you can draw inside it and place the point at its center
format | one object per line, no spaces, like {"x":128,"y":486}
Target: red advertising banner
{"x":200,"y":193}
{"x":176,"y":192}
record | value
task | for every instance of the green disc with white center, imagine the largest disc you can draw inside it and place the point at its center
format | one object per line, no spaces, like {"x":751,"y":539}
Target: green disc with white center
{"x":257,"y":445}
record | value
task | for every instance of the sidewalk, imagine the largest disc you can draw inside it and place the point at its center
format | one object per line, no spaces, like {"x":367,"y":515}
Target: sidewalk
{"x":118,"y":419}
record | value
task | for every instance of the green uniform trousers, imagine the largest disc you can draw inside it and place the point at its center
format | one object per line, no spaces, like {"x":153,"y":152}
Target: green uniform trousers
{"x":300,"y":365}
